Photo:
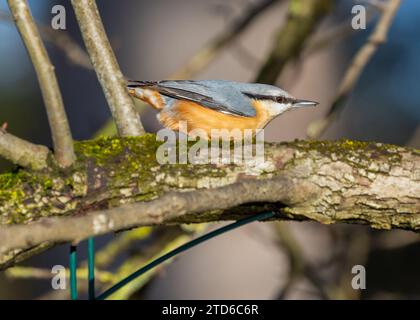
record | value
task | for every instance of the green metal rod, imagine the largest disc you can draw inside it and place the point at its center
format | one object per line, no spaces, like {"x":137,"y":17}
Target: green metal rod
{"x":73,"y":272}
{"x":91,"y":268}
{"x":182,"y":248}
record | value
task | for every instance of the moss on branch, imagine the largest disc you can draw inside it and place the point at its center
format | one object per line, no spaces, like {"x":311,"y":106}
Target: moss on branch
{"x":113,"y":171}
{"x":325,"y":181}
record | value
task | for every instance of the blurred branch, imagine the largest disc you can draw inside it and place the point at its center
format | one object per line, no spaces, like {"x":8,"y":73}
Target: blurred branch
{"x":356,"y":252}
{"x":42,"y":274}
{"x":62,"y":40}
{"x":168,"y":240}
{"x":303,"y":17}
{"x":328,"y":182}
{"x":205,"y":55}
{"x":107,"y":69}
{"x":60,"y":130}
{"x":299,"y":267}
{"x":359,"y":62}
{"x":414,"y":140}
{"x":108,"y":254}
{"x":377,"y":4}
{"x":21,"y":152}
{"x":337,"y":33}
{"x":162,"y":240}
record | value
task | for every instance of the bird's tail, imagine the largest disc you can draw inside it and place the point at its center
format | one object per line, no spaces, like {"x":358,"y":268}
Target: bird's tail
{"x":140,"y":84}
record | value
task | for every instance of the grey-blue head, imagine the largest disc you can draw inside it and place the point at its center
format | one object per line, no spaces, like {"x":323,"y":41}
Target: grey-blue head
{"x":274,"y":99}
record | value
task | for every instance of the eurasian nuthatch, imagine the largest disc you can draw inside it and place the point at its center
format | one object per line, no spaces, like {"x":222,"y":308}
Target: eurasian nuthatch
{"x":215,"y":104}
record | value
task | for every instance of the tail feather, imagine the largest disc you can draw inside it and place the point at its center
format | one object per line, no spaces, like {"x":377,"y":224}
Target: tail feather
{"x":140,"y":84}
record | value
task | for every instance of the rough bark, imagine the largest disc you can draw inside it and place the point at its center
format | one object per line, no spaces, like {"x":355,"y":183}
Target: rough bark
{"x":343,"y":181}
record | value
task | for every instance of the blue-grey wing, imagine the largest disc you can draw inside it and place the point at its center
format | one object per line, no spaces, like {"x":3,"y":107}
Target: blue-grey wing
{"x":219,"y":95}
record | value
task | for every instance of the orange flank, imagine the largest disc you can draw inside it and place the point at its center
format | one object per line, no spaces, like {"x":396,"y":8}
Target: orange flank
{"x":198,"y":117}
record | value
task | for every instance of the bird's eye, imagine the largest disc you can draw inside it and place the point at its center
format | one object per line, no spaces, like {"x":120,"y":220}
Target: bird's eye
{"x":280,"y":99}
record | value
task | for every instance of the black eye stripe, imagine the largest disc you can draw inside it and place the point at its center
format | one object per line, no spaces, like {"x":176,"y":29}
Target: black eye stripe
{"x":279,"y":99}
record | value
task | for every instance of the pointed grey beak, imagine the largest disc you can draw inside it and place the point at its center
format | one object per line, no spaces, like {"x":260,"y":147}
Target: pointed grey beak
{"x":304,"y":103}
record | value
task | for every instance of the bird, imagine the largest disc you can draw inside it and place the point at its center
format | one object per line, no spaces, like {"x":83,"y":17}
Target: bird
{"x":214,"y":104}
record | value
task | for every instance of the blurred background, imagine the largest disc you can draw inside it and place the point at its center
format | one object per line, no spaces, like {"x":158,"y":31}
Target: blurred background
{"x":155,"y":40}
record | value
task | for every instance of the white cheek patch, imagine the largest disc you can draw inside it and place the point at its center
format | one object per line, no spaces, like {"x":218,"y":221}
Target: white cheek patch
{"x":275,"y":108}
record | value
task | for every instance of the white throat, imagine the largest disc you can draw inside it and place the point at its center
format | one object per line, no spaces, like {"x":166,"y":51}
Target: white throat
{"x":275,"y":108}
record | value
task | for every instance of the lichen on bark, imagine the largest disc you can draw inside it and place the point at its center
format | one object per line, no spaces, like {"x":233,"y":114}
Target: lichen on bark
{"x":325,"y":181}
{"x":109,"y":171}
{"x":112,"y":171}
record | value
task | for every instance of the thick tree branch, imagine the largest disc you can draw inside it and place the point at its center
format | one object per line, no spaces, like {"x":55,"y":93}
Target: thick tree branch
{"x":60,"y":130}
{"x":107,"y":69}
{"x":303,"y":17}
{"x":163,"y":210}
{"x":22,"y":152}
{"x":356,"y":67}
{"x":329,"y":182}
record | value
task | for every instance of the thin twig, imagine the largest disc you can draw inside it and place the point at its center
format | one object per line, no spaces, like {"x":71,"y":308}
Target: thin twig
{"x":107,"y":69}
{"x":303,"y":17}
{"x":414,"y":140}
{"x":205,"y":55}
{"x":22,"y":152}
{"x":377,"y":4}
{"x":155,"y":251}
{"x":60,"y":130}
{"x":359,"y":62}
{"x":62,"y":40}
{"x":333,"y":35}
{"x":299,"y":267}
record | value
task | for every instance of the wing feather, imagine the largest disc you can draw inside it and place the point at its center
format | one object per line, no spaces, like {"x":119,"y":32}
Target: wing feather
{"x":217,"y":95}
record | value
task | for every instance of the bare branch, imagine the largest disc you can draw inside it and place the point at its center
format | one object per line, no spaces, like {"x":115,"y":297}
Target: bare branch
{"x":22,"y":152}
{"x":107,"y":69}
{"x":353,"y":72}
{"x":163,"y":210}
{"x":60,"y":130}
{"x":303,"y":17}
